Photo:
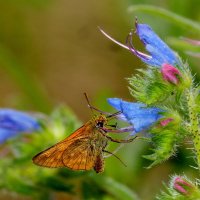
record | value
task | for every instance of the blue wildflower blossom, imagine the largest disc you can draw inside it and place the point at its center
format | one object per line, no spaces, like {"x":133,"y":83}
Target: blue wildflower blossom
{"x":137,"y":114}
{"x":13,"y":122}
{"x":159,"y":52}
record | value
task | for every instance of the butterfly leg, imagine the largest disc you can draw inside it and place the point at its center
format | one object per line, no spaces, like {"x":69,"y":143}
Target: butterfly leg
{"x":118,"y":140}
{"x":120,"y":130}
{"x":115,"y":156}
{"x":121,"y":141}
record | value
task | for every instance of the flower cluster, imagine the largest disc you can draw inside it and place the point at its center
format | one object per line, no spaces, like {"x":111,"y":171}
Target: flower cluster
{"x":160,"y":55}
{"x":158,"y":90}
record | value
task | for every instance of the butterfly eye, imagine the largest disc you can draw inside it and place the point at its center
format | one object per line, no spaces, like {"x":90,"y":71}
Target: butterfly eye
{"x":100,"y":124}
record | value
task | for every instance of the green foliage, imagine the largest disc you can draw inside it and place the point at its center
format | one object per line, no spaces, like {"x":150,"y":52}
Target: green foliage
{"x":91,"y":190}
{"x":149,"y":87}
{"x":182,"y":45}
{"x":180,"y":103}
{"x":19,"y":174}
{"x":164,"y":147}
{"x":166,"y":138}
{"x":152,"y":89}
{"x":114,"y":188}
{"x":56,"y":184}
{"x":178,"y":20}
{"x":197,"y":101}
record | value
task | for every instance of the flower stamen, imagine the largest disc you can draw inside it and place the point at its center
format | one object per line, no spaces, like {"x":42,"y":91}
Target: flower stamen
{"x":112,"y":39}
{"x":132,"y":49}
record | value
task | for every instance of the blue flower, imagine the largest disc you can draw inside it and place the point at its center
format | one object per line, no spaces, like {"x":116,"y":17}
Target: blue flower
{"x":137,"y":114}
{"x":159,"y":52}
{"x":13,"y":122}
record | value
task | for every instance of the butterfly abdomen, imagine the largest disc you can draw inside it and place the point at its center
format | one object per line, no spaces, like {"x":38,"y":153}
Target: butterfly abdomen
{"x":99,"y":164}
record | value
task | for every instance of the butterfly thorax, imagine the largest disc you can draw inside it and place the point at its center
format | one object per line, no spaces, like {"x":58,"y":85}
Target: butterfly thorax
{"x":98,"y":139}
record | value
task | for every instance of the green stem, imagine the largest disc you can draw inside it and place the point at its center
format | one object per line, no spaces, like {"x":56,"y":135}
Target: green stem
{"x":194,"y":123}
{"x":114,"y":188}
{"x":172,"y":17}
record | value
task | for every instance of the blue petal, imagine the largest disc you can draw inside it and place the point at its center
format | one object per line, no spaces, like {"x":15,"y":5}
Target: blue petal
{"x":6,"y":134}
{"x":158,"y":50}
{"x":136,"y":114}
{"x":115,"y":102}
{"x":13,"y":122}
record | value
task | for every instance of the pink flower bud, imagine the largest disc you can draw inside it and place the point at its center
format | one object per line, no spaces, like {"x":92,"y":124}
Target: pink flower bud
{"x":165,"y":121}
{"x":182,"y":186}
{"x":193,"y":42}
{"x":170,"y":73}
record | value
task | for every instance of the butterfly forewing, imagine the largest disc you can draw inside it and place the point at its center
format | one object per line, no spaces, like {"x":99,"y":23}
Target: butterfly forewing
{"x":75,"y":152}
{"x":51,"y":157}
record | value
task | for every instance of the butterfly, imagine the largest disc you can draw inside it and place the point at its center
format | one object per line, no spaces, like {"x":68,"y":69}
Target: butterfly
{"x":84,"y":149}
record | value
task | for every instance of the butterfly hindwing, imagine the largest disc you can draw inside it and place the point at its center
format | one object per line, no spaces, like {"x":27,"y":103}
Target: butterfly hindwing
{"x":83,"y":157}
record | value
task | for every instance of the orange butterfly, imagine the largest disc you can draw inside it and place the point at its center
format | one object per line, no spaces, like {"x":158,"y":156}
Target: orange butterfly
{"x":84,"y":149}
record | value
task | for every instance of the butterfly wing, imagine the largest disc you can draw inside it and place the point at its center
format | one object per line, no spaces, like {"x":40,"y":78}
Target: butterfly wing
{"x":80,"y":156}
{"x":74,"y":149}
{"x":51,"y":157}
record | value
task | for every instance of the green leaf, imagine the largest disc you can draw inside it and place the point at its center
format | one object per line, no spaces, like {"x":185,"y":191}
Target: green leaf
{"x":172,"y":17}
{"x":114,"y":188}
{"x":182,"y":45}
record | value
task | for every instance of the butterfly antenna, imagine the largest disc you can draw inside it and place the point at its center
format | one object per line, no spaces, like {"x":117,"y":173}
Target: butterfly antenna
{"x":87,"y":99}
{"x":115,"y":157}
{"x":92,"y":107}
{"x":114,"y":115}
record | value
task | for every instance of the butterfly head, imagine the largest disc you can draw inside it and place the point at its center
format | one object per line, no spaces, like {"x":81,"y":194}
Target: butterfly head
{"x":101,"y":121}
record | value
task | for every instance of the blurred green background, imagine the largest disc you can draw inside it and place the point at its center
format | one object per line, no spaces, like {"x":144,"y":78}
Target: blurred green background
{"x":52,"y":51}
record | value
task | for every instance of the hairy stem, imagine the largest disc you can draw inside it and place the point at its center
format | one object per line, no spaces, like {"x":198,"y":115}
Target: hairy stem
{"x":194,"y":124}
